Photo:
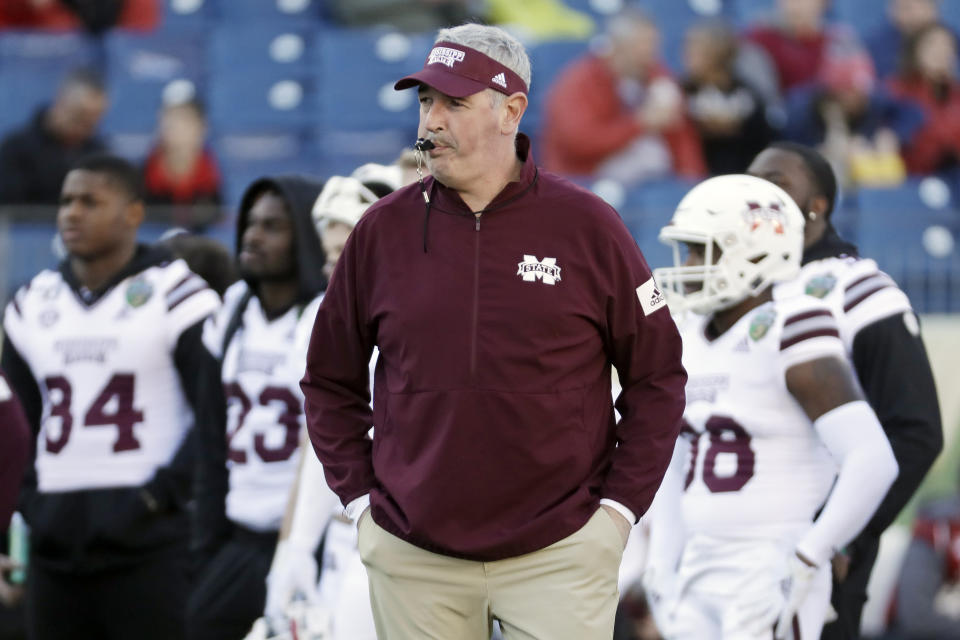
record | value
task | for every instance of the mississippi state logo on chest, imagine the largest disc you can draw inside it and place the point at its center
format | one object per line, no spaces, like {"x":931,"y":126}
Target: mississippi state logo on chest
{"x":547,"y":270}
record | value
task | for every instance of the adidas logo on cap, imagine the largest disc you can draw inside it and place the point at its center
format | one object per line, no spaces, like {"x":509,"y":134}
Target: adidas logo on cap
{"x":499,"y":79}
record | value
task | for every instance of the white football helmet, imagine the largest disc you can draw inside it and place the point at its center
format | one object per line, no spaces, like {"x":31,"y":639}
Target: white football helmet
{"x":343,"y":199}
{"x":750,"y":233}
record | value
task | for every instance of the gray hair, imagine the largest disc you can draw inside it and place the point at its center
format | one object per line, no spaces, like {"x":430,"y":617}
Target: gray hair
{"x":491,"y":41}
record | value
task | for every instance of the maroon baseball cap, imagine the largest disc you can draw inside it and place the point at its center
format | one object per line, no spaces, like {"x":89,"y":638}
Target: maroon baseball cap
{"x":460,"y":71}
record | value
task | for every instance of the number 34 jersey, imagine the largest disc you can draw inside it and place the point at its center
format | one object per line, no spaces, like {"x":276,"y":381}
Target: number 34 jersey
{"x":756,"y":467}
{"x":114,"y":409}
{"x":261,"y":373}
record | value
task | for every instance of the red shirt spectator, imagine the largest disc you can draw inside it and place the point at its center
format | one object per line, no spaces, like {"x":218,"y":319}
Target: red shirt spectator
{"x":798,"y":41}
{"x":930,"y":79}
{"x":592,"y":118}
{"x":180,"y":171}
{"x":52,"y":14}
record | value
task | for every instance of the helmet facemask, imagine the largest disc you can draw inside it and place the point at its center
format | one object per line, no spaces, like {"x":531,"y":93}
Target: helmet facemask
{"x":750,"y":233}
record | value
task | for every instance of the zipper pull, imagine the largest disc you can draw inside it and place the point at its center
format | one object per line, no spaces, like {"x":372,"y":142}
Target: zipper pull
{"x":477,"y":218}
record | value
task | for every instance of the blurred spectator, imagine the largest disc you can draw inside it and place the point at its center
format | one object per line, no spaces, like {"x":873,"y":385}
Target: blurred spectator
{"x":930,"y":78}
{"x":858,"y":126}
{"x":180,"y":170}
{"x":728,"y":113}
{"x":540,"y":19}
{"x":799,"y":40}
{"x":904,"y":18}
{"x":928,"y":594}
{"x":94,"y":15}
{"x":406,"y":15}
{"x":35,"y":158}
{"x":205,"y":256}
{"x":618,"y":114}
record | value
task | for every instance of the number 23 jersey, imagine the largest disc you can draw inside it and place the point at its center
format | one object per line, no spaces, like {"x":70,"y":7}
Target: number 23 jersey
{"x":261,"y":372}
{"x":756,"y":466}
{"x":114,"y":409}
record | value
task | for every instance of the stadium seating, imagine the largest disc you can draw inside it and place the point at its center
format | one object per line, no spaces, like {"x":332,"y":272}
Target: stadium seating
{"x":912,"y":232}
{"x":261,"y":100}
{"x":547,"y":60}
{"x":141,"y":67}
{"x":280,"y":48}
{"x":32,"y":64}
{"x":186,"y":14}
{"x":263,"y":11}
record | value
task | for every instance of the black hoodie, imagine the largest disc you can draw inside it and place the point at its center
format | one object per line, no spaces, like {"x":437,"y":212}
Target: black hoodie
{"x":212,"y":526}
{"x":299,"y":192}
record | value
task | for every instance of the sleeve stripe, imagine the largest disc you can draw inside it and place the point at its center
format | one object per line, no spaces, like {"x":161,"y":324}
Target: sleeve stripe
{"x":186,"y":292}
{"x":806,"y":315}
{"x":815,"y":323}
{"x":188,"y":284}
{"x":850,"y":304}
{"x":865,"y":283}
{"x":179,"y":284}
{"x":818,"y":333}
{"x":872,"y":274}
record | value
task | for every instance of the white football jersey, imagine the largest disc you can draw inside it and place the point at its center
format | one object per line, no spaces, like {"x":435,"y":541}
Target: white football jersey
{"x":113,"y":406}
{"x":856,"y":291}
{"x":757,"y":468}
{"x":262,"y":368}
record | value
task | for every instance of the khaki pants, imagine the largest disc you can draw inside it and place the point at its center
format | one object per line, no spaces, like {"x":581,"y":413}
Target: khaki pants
{"x":567,"y":590}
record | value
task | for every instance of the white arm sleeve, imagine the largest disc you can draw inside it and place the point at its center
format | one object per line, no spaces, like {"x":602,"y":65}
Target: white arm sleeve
{"x":854,"y":437}
{"x":665,"y":516}
{"x":315,"y":503}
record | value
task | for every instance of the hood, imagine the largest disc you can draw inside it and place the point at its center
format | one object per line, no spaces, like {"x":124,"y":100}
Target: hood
{"x":299,"y":192}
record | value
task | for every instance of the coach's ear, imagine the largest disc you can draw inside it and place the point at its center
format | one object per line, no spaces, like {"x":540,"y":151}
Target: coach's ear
{"x":513,"y":109}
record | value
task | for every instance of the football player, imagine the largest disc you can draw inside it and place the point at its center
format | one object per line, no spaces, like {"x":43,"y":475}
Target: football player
{"x":250,"y":447}
{"x":774,"y":418}
{"x":106,"y":356}
{"x":316,"y":510}
{"x":881,"y":337}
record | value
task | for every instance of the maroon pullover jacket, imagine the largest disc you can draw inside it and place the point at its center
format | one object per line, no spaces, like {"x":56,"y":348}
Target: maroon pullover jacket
{"x":494,"y":433}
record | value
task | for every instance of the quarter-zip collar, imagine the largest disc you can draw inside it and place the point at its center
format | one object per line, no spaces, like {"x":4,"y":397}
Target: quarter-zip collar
{"x":448,"y":200}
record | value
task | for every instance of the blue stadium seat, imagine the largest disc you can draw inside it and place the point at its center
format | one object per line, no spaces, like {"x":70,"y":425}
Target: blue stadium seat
{"x":235,"y":49}
{"x":744,"y":13}
{"x":186,"y":14}
{"x":30,"y":251}
{"x":32,"y":64}
{"x":547,"y":60}
{"x":656,"y":203}
{"x":357,"y":69}
{"x":302,"y":12}
{"x":950,"y":14}
{"x":141,"y":67}
{"x":912,"y":231}
{"x":239,"y":174}
{"x":865,"y":16}
{"x":261,"y":100}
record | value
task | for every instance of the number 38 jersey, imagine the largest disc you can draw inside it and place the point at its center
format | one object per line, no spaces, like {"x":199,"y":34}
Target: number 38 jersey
{"x":756,"y":467}
{"x":261,"y":373}
{"x":114,"y":409}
